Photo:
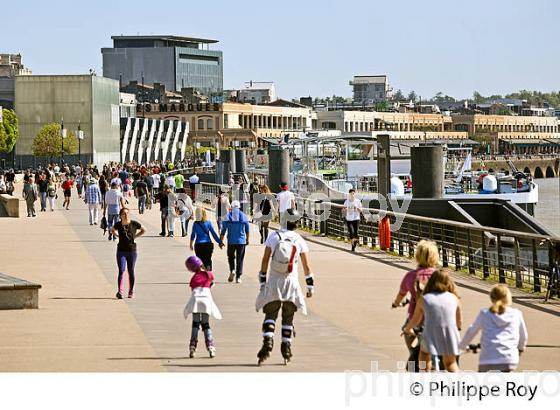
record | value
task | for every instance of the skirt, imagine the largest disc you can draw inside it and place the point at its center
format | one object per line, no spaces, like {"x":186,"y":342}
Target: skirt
{"x":201,"y":301}
{"x":284,"y":288}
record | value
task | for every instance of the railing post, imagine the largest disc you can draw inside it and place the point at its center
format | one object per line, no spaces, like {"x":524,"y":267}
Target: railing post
{"x":456,"y":250}
{"x":409,"y":242}
{"x":444,"y":255}
{"x":501,"y":273}
{"x":470,"y":253}
{"x":536,"y":275}
{"x":485,"y":270}
{"x":518,"y":278}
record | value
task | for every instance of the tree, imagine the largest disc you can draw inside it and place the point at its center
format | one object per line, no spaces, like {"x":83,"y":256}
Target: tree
{"x":48,"y":142}
{"x":412,"y":96}
{"x":398,"y":96}
{"x":9,"y":131}
{"x":381,"y":106}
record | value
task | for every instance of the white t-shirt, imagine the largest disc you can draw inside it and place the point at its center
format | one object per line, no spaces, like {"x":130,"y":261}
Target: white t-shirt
{"x":116,"y":180}
{"x":194,"y":179}
{"x":113,"y":197}
{"x":170,"y":181}
{"x":299,"y":242}
{"x":285,"y":199}
{"x":155,"y":179}
{"x":352,"y":209}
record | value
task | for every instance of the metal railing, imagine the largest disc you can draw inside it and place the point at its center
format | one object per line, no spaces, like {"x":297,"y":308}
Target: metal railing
{"x":519,"y":259}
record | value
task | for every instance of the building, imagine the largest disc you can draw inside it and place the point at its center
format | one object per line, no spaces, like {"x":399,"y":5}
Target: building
{"x":257,"y":92}
{"x":370,"y":89}
{"x":231,"y":123}
{"x":176,"y":62}
{"x":10,"y":67}
{"x":155,"y":93}
{"x":88,"y":101}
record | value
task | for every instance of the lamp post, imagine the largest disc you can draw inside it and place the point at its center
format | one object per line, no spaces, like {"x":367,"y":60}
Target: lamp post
{"x":62,"y":141}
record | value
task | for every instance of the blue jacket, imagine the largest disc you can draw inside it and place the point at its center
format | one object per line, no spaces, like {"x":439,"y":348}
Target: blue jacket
{"x":237,"y":228}
{"x":201,"y":232}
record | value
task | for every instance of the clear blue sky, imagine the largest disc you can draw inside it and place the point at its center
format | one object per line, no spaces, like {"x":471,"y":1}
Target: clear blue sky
{"x":312,"y":47}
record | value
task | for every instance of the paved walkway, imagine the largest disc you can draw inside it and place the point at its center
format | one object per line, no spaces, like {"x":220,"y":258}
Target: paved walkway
{"x":81,"y":327}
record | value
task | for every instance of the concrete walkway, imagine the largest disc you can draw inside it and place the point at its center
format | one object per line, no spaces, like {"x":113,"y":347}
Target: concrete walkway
{"x":81,"y":326}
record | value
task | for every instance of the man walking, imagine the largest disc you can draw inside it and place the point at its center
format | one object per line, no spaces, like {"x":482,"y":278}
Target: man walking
{"x":193,"y":182}
{"x":43,"y":185}
{"x":236,"y":225}
{"x":286,"y":200}
{"x":30,"y":194}
{"x":93,"y":200}
{"x":115,"y":201}
{"x":141,"y":193}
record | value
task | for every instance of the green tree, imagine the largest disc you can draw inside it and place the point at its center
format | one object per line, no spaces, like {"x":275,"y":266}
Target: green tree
{"x":48,"y":142}
{"x":9,"y":131}
{"x":412,"y":96}
{"x":398,"y":95}
{"x":381,"y":106}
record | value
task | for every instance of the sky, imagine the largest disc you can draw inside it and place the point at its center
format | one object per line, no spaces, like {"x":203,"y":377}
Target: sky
{"x":312,"y":47}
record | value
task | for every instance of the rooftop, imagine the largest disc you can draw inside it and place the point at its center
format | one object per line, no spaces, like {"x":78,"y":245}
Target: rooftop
{"x":178,"y":39}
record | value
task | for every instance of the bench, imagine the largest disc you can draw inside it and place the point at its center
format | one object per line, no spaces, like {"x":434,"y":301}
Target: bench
{"x":9,"y":206}
{"x":18,"y":293}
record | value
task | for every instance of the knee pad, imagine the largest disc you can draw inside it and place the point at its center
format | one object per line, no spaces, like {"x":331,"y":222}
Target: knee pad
{"x":268,"y":327}
{"x":287,"y":331}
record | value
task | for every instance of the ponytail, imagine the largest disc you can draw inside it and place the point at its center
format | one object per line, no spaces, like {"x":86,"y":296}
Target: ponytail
{"x":501,"y":299}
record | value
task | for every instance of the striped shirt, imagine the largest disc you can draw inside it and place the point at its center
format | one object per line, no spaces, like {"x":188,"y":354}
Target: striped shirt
{"x":93,"y":194}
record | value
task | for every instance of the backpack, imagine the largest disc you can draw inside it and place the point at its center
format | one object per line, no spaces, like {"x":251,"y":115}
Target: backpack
{"x":283,"y":255}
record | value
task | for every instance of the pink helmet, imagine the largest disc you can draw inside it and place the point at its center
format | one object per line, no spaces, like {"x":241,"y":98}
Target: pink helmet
{"x":193,"y":263}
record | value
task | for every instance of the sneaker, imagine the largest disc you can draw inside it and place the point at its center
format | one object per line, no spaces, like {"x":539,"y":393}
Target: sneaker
{"x":110,"y":237}
{"x":231,"y":276}
{"x":131,"y":295}
{"x":119,"y":295}
{"x":162,"y":234}
{"x":212,"y":351}
{"x":238,"y":280}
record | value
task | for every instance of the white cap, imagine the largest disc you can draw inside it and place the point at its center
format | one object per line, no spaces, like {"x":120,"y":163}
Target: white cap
{"x":235,"y":204}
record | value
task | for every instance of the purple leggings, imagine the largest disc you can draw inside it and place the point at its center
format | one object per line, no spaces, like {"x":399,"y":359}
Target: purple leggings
{"x":126,"y":260}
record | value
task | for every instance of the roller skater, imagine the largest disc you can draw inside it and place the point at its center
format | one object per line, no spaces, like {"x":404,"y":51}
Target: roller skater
{"x":280,"y":291}
{"x":201,"y":305}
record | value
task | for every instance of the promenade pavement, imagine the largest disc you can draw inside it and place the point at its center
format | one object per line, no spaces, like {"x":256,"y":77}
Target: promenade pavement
{"x":80,"y":326}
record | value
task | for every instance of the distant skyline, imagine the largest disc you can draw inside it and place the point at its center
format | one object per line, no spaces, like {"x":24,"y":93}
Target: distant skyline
{"x":313,"y":47}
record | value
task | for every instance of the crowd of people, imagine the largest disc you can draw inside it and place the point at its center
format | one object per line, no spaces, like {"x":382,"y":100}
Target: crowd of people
{"x":434,"y":320}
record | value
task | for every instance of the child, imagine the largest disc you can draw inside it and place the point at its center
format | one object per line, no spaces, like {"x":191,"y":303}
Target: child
{"x":504,"y":334}
{"x":201,"y":304}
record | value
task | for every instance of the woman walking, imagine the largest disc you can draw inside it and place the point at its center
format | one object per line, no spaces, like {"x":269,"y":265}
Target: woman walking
{"x":504,"y":334}
{"x":67,"y":188}
{"x":441,"y":310}
{"x":265,"y":210}
{"x":352,"y":210}
{"x":103,"y":187}
{"x":51,"y":194}
{"x":127,"y":230}
{"x":200,"y":237}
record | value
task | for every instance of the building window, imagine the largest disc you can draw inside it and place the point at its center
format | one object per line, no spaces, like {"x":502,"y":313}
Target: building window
{"x":200,"y":124}
{"x":226,"y":122}
{"x":210,"y":124}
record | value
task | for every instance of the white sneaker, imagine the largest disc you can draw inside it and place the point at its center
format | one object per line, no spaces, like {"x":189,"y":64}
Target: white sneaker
{"x":238,"y":280}
{"x":231,"y":276}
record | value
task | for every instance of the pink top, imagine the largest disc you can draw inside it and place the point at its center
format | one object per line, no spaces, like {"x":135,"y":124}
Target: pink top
{"x":201,"y":279}
{"x":408,"y":285}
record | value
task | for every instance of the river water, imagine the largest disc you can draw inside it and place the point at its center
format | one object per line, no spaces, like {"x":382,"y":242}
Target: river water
{"x":548,"y":209}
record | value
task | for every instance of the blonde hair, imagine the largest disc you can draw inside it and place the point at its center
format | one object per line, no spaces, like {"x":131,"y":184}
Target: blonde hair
{"x":501,"y":299}
{"x":200,"y":214}
{"x":426,"y":254}
{"x":440,"y":282}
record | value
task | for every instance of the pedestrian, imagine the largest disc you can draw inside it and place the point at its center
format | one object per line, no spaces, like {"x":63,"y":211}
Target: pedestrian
{"x":43,"y":186}
{"x":163,"y":199}
{"x":30,"y":194}
{"x":222,"y":206}
{"x":51,"y":193}
{"x":193,"y":183}
{"x":264,"y":210}
{"x":179,"y":179}
{"x":201,"y":305}
{"x":413,"y":283}
{"x":170,"y":182}
{"x":280,"y":289}
{"x":93,"y":200}
{"x":286,"y":200}
{"x":185,"y":210}
{"x":79,"y":184}
{"x":201,"y":241}
{"x":171,"y":212}
{"x":114,"y":202}
{"x":3,"y":187}
{"x":103,"y":188}
{"x":441,"y":309}
{"x":141,"y":193}
{"x":236,"y":225}
{"x":127,"y":230}
{"x":352,"y":211}
{"x":504,"y":334}
{"x":67,"y":189}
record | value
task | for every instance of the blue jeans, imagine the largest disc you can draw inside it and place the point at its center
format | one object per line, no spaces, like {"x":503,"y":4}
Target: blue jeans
{"x":141,"y":204}
{"x":43,"y":201}
{"x":112,"y":219}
